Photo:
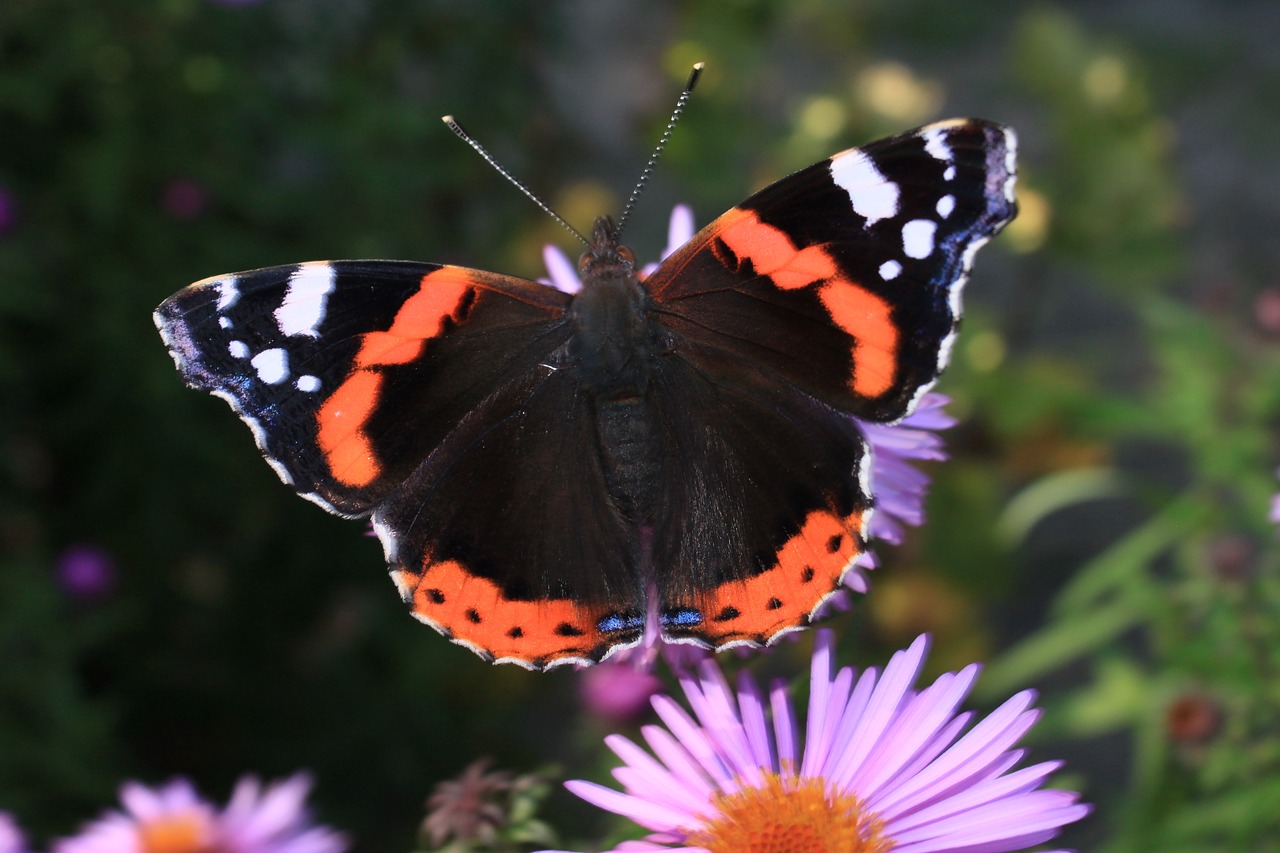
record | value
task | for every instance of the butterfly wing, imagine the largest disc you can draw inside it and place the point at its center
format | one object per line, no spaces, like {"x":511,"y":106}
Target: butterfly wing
{"x":833,"y":292}
{"x":306,"y":355}
{"x":409,"y":390}
{"x":844,"y":278}
{"x":764,"y":507}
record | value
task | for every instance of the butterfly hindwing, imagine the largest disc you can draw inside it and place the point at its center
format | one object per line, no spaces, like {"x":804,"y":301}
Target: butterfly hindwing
{"x":764,"y":505}
{"x":506,"y":540}
{"x":844,"y":278}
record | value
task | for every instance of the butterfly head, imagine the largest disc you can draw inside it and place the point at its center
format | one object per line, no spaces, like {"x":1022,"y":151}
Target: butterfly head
{"x":604,"y":255}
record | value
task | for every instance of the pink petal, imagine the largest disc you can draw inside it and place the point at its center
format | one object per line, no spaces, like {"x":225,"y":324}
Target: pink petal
{"x":955,"y":768}
{"x":888,"y":697}
{"x":916,"y":725}
{"x":754,"y":724}
{"x":784,"y":726}
{"x":678,"y":760}
{"x":647,"y":814}
{"x":562,"y":272}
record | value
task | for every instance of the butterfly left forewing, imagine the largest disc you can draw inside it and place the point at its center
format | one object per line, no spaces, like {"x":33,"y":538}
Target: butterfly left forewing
{"x":348,"y":373}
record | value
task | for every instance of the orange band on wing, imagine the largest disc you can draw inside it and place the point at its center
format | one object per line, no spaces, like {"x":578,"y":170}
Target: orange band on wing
{"x":473,"y":610}
{"x":421,"y":318}
{"x":858,"y":312}
{"x":772,"y":253}
{"x":809,"y":567}
{"x":867,"y":319}
{"x":340,"y":429}
{"x":442,"y":297}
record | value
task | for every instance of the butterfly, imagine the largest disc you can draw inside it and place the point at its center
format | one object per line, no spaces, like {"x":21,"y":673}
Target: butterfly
{"x":552,"y":476}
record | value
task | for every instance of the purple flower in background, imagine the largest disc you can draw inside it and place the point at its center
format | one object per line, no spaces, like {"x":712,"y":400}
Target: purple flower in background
{"x":1275,"y":504}
{"x":618,"y":691}
{"x":175,"y":819}
{"x":85,"y":571}
{"x":11,"y":839}
{"x":8,"y":211}
{"x":900,"y":486}
{"x":562,"y":273}
{"x":881,"y":766}
{"x":183,"y":198}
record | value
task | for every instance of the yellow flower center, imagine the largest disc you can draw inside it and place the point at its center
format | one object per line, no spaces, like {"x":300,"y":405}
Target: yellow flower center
{"x":185,"y":832}
{"x":790,"y":815}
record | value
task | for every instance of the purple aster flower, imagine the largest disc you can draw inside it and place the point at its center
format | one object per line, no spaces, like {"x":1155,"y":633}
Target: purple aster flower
{"x":11,"y":839}
{"x":175,"y":819}
{"x":881,"y":766}
{"x":85,"y":571}
{"x":618,"y":692}
{"x":1275,"y":504}
{"x":900,"y":486}
{"x":8,"y":211}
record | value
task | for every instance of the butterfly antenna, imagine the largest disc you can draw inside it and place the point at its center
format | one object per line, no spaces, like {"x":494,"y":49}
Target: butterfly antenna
{"x":489,"y":158}
{"x":662,"y":143}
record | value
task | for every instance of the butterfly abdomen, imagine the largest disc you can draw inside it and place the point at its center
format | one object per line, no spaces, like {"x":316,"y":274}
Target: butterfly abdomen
{"x":628,"y":453}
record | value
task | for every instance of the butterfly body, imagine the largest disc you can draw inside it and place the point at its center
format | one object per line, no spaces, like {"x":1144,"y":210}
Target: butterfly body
{"x":553,"y":475}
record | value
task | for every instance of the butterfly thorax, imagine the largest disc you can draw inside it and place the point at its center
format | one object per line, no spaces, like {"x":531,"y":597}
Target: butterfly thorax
{"x":614,"y":338}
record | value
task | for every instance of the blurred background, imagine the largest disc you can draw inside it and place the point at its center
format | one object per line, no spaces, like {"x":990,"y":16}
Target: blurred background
{"x":1101,"y":531}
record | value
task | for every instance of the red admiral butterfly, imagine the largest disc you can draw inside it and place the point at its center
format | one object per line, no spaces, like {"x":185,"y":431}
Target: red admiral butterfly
{"x":549,"y":474}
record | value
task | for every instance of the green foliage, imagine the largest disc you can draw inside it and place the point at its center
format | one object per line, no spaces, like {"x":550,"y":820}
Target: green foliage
{"x":1101,"y":531}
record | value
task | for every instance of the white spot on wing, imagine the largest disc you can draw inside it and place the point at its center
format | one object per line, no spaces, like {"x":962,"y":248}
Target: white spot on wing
{"x":872,"y":195}
{"x":272,"y":365}
{"x":917,"y":238}
{"x":238,"y":349}
{"x":949,"y":174}
{"x":946,"y":205}
{"x":890,"y":270}
{"x":303,"y":308}
{"x":1010,"y":162}
{"x":935,"y":143}
{"x":228,"y":293}
{"x":308,"y":383}
{"x":224,"y":322}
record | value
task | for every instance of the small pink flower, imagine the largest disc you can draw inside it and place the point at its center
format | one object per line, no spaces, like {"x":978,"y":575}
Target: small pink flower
{"x":175,"y":819}
{"x":11,"y":838}
{"x":85,"y":572}
{"x":8,"y":211}
{"x":183,"y":198}
{"x":1275,"y":504}
{"x":880,"y":766}
{"x":617,"y":692}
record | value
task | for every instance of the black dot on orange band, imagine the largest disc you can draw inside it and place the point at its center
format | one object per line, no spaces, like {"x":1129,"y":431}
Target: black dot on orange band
{"x":807,"y":574}
{"x":436,"y":596}
{"x":564,"y":629}
{"x":728,"y":613}
{"x":833,"y":544}
{"x":773,"y":604}
{"x":473,"y":616}
{"x":516,"y":632}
